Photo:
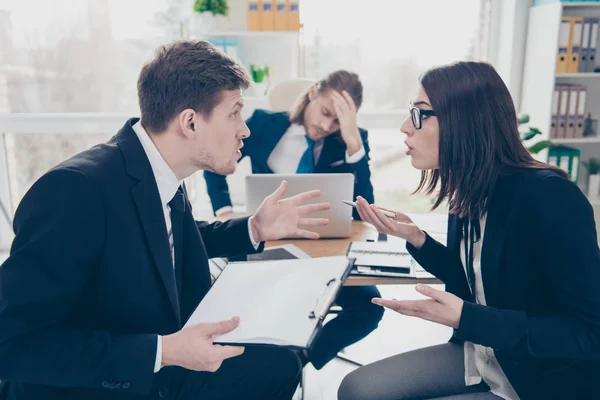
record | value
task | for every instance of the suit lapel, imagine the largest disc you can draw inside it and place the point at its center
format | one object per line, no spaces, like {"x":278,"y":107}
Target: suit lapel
{"x":331,"y":148}
{"x":273,"y":130}
{"x":493,"y":240}
{"x":147,"y":200}
{"x":454,"y":234}
{"x":453,"y":244}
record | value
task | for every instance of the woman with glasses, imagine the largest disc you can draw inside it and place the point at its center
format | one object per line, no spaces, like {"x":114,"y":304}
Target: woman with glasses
{"x":521,"y":265}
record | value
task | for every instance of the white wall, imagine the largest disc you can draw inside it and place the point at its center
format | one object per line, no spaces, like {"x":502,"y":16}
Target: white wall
{"x":507,"y":42}
{"x":280,"y":51}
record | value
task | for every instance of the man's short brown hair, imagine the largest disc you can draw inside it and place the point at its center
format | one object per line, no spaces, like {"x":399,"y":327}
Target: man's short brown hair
{"x":182,"y":75}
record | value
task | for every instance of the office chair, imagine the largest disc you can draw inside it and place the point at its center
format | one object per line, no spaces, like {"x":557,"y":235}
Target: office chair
{"x":283,"y":95}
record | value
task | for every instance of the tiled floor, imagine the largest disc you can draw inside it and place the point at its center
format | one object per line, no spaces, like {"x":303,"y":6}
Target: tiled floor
{"x":396,"y":334}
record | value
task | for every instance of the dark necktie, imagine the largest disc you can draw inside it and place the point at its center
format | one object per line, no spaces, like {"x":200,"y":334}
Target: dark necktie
{"x":177,"y":205}
{"x":307,"y":162}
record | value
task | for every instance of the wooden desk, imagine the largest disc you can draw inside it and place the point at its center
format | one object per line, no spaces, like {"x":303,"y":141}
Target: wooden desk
{"x":339,"y":247}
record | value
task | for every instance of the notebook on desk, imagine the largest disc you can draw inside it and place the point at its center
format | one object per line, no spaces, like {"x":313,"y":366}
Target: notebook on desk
{"x":279,"y":302}
{"x":381,"y":258}
{"x":388,"y":257}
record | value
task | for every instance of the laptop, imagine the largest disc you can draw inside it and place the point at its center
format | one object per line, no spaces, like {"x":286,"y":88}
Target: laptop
{"x":334,"y":188}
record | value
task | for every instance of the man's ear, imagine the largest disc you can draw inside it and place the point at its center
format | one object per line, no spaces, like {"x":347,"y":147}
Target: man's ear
{"x":188,"y":122}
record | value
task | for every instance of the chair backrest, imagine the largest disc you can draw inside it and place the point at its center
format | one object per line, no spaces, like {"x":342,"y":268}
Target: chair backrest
{"x":283,"y":95}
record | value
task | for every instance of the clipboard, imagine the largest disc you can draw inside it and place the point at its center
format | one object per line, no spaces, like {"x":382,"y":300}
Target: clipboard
{"x":280,"y":303}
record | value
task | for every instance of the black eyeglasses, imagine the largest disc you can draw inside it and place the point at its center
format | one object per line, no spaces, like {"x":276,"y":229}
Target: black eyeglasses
{"x":416,"y":115}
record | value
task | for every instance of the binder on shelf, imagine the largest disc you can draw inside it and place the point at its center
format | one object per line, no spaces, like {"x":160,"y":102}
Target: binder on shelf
{"x":581,"y":103}
{"x":281,"y":15}
{"x":253,"y":15}
{"x":585,"y":45}
{"x":267,"y":17}
{"x":591,"y":62}
{"x":567,"y":159}
{"x":574,"y":44}
{"x":563,"y":46}
{"x":574,"y":173}
{"x":264,"y":293}
{"x":555,"y":112}
{"x":571,"y":112}
{"x":293,"y":15}
{"x":552,"y":158}
{"x":562,"y":111}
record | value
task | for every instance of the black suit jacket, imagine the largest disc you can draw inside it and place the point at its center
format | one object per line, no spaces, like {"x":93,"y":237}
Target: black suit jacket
{"x":540,"y":267}
{"x":267,"y":128}
{"x":89,"y":283}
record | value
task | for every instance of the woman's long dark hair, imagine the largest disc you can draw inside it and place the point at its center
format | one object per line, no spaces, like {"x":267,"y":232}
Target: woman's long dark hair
{"x":478,"y":136}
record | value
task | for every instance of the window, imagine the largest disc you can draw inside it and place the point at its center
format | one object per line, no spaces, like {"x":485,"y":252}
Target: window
{"x":390,"y":43}
{"x":84,"y":56}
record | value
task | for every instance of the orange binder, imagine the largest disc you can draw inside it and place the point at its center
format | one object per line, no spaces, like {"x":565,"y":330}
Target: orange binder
{"x":253,"y":16}
{"x":293,"y":15}
{"x":267,"y":16}
{"x":563,"y":45}
{"x":281,"y":18}
{"x":575,"y":44}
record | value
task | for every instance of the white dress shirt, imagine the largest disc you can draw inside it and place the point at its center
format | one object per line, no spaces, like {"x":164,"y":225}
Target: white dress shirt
{"x":480,"y":361}
{"x":286,"y":155}
{"x":167,"y":184}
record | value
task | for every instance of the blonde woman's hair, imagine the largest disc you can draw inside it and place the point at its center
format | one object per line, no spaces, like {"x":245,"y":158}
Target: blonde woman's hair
{"x":337,"y":80}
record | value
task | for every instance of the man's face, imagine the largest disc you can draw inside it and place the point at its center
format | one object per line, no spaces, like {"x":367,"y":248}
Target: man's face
{"x":320,"y":119}
{"x":220,"y":140}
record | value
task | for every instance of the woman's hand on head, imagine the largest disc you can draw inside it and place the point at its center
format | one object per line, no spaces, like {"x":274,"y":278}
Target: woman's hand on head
{"x":400,"y":226}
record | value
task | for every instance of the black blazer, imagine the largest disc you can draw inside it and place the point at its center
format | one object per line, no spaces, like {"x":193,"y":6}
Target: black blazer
{"x":541,"y":275}
{"x":90,"y":283}
{"x":267,"y":128}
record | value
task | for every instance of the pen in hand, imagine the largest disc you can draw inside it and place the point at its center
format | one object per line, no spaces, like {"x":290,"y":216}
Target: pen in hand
{"x":384,"y":212}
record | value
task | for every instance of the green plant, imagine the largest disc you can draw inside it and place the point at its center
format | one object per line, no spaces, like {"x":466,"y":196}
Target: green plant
{"x":528,"y":133}
{"x":592,"y":165}
{"x":259,"y":74}
{"x":216,"y":7}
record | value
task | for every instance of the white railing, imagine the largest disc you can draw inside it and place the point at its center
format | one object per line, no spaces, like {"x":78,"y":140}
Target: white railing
{"x":110,"y":123}
{"x":92,"y":123}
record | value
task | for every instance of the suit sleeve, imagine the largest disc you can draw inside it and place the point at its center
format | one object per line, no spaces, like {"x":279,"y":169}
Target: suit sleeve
{"x":227,"y":239}
{"x":565,"y":245}
{"x":216,"y":185}
{"x":60,"y":228}
{"x":438,"y":260}
{"x":362,"y":175}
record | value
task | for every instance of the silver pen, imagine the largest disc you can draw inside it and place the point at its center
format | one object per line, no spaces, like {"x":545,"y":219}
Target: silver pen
{"x":384,"y":212}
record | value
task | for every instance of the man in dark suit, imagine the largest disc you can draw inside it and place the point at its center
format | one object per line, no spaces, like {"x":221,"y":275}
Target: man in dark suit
{"x":320,"y":135}
{"x":108,"y":263}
